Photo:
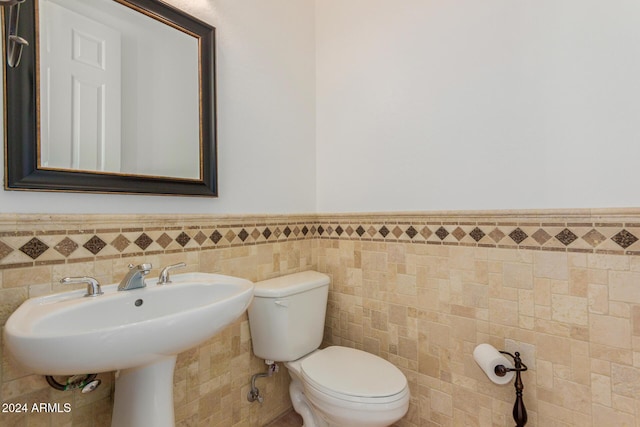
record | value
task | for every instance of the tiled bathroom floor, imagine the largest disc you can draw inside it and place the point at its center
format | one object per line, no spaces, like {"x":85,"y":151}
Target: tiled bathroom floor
{"x":290,"y":419}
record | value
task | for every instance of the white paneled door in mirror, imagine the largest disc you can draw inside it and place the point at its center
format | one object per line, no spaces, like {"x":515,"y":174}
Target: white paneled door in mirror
{"x":80,"y":75}
{"x":119,"y":91}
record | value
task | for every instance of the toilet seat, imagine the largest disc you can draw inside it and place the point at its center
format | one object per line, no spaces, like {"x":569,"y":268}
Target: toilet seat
{"x":354,"y":376}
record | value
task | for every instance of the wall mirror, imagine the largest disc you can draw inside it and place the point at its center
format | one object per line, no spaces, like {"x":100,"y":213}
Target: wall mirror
{"x":111,"y":96}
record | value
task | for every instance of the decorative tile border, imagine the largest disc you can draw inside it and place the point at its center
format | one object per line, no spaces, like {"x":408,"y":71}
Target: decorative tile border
{"x":593,"y":238}
{"x":38,"y":240}
{"x":101,"y":238}
{"x":607,"y":231}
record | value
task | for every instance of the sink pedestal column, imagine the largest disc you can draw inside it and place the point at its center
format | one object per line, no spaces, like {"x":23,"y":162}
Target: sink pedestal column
{"x":144,"y":395}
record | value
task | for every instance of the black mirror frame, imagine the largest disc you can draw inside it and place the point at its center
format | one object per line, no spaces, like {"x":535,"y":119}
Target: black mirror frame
{"x":21,"y":118}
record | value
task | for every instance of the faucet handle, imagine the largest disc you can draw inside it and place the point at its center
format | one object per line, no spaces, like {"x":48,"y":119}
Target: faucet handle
{"x":163,"y":279}
{"x":144,"y":268}
{"x":93,"y":287}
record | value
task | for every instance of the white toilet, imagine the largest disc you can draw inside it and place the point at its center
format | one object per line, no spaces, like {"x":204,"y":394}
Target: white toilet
{"x":335,"y":386}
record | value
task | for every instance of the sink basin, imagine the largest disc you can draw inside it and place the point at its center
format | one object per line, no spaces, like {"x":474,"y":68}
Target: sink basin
{"x":67,"y":333}
{"x":138,"y":332}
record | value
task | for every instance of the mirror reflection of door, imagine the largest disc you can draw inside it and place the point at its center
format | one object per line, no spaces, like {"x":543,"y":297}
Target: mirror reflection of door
{"x":81,"y":72}
{"x":119,"y":91}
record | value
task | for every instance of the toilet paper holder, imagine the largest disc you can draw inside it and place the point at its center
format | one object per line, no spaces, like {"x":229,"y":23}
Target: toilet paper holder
{"x":519,"y":411}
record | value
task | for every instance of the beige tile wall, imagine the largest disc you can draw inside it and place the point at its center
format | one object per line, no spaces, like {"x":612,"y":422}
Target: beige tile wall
{"x":421,"y":290}
{"x":574,"y":317}
{"x":211,"y":381}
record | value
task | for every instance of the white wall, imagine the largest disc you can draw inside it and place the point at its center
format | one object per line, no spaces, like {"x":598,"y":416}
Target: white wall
{"x":266,"y":129}
{"x":466,"y":104}
{"x":413,"y":105}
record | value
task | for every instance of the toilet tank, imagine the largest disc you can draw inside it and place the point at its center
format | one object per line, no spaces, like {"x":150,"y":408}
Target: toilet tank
{"x":286,"y":317}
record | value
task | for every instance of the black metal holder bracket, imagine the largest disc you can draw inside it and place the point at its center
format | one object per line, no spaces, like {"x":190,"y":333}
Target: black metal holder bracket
{"x":519,"y":411}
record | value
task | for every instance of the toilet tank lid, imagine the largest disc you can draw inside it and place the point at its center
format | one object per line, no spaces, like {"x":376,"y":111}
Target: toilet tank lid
{"x":290,"y":284}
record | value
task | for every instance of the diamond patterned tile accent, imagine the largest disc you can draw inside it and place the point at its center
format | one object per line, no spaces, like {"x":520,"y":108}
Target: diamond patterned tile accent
{"x":566,"y":236}
{"x":372,"y":231}
{"x":497,"y":235}
{"x":266,"y":233}
{"x":477,"y":234}
{"x":329,"y":230}
{"x":442,"y":233}
{"x":384,"y":231}
{"x":360,"y":231}
{"x":120,"y":243}
{"x":339,"y":230}
{"x":426,"y":232}
{"x":34,"y":248}
{"x":65,"y":247}
{"x":624,"y":239}
{"x":594,"y":237}
{"x":200,"y":238}
{"x":458,"y":233}
{"x":312,"y":230}
{"x":143,"y":241}
{"x":320,"y":230}
{"x":397,"y":231}
{"x":541,"y":236}
{"x":183,"y":238}
{"x":94,"y":245}
{"x":164,"y":240}
{"x":230,"y":235}
{"x":411,"y":232}
{"x":5,"y":250}
{"x":349,"y":230}
{"x":305,"y":230}
{"x":518,"y":235}
{"x":242,"y":235}
{"x":286,"y":231}
{"x":277,"y":232}
{"x":215,"y":236}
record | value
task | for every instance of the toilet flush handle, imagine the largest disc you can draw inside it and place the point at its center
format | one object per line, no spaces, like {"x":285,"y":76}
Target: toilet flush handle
{"x":282,"y":302}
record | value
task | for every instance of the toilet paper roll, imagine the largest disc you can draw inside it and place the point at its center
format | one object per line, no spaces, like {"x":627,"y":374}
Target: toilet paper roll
{"x":487,"y":357}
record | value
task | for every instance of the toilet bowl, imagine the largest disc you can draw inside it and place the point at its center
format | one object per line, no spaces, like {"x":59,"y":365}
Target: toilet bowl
{"x":348,"y":387}
{"x":331,"y":387}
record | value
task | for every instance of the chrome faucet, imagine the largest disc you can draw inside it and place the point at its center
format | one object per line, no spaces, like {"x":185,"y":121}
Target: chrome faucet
{"x":93,"y":287}
{"x":135,"y":277}
{"x":164,"y":274}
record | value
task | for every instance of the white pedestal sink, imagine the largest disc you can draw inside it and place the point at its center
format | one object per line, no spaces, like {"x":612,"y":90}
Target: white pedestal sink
{"x":138,"y":333}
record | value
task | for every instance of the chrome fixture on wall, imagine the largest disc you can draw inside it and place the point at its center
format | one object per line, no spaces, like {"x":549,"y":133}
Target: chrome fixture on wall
{"x":254,"y":393}
{"x":15,"y":43}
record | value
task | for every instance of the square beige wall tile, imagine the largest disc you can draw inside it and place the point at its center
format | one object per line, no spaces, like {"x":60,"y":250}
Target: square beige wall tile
{"x":421,"y":290}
